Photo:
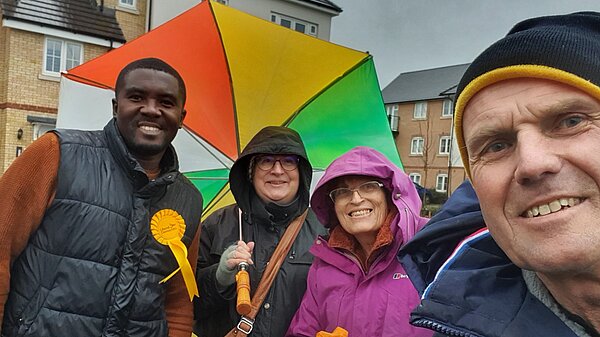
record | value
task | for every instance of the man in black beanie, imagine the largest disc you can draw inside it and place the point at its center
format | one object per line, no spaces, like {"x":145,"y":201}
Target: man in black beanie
{"x":526,"y":262}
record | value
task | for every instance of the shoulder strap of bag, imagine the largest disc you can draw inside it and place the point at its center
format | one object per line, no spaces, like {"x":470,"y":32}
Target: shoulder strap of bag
{"x":244,"y":327}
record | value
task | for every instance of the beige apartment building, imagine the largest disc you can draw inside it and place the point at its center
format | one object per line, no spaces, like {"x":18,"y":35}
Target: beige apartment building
{"x":39,"y":39}
{"x":311,"y":17}
{"x":419,"y":105}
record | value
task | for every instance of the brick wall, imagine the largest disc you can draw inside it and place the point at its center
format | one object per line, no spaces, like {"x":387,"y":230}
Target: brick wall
{"x":3,"y":68}
{"x":27,"y":92}
{"x":431,"y":163}
{"x":132,"y":21}
{"x":26,"y":52}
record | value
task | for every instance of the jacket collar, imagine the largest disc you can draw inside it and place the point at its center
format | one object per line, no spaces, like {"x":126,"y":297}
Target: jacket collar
{"x":480,"y":292}
{"x":468,"y":285}
{"x":326,"y":252}
{"x":341,"y":239}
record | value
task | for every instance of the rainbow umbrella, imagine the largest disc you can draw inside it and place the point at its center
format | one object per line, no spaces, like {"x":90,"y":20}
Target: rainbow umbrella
{"x":242,"y":73}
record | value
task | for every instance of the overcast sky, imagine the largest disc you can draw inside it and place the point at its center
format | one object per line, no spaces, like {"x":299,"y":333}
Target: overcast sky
{"x":408,"y":35}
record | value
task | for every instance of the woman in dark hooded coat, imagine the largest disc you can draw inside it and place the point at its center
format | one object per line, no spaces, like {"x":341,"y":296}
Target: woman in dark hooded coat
{"x":271,"y":185}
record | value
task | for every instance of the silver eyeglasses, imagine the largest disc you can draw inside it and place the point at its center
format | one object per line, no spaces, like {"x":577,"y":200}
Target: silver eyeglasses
{"x":288,"y":162}
{"x":344,"y":194}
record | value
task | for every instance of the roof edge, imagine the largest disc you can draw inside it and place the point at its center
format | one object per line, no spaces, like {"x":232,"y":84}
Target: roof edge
{"x":435,"y":68}
{"x":36,"y":27}
{"x":334,"y":10}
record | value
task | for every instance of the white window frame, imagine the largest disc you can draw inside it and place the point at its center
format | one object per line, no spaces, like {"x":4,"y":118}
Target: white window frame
{"x":393,"y":117}
{"x":64,"y":44}
{"x":39,"y":129}
{"x":415,"y":148}
{"x":447,"y":108}
{"x":420,"y":110}
{"x":126,"y":4}
{"x":415,"y":177}
{"x":445,"y":145}
{"x":312,"y":29}
{"x":441,"y":182}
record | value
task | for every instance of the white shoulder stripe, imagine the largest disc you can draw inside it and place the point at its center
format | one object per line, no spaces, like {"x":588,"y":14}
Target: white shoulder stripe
{"x":460,"y":248}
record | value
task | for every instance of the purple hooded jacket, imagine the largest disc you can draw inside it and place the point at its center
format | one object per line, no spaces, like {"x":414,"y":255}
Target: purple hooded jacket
{"x":338,"y":292}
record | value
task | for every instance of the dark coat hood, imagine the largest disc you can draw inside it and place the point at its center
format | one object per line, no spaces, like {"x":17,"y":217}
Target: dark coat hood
{"x":269,"y":140}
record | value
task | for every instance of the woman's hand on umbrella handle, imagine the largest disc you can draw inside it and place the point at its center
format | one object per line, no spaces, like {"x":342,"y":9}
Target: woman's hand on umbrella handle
{"x":231,"y":258}
{"x":241,"y":253}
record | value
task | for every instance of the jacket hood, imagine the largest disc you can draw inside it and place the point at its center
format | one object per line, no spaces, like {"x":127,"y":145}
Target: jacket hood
{"x":366,"y":161}
{"x":459,"y":217}
{"x":269,"y":140}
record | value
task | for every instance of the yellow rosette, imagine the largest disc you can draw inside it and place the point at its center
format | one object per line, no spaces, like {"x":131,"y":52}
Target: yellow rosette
{"x":167,"y":227}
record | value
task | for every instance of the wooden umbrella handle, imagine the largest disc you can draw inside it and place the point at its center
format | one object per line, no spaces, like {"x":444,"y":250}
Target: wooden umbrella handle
{"x":243,"y":305}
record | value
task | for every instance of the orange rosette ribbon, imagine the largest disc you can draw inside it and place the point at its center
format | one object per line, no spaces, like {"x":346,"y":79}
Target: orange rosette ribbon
{"x":167,"y":227}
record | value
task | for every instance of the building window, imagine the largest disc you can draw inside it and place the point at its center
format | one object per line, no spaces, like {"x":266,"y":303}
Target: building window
{"x":415,"y":177}
{"x":445,"y":145}
{"x":420,"y":111}
{"x":392,"y":113}
{"x":416,"y":145}
{"x":295,"y":24}
{"x":441,"y":183}
{"x":127,"y":3}
{"x":61,"y":55}
{"x":447,"y":108}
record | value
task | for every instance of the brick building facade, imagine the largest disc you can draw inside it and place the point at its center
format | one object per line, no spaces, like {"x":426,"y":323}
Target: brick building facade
{"x":419,"y":105}
{"x":35,"y":48}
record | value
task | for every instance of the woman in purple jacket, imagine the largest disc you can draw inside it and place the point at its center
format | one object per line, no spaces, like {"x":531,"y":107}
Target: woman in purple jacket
{"x":355,"y":282}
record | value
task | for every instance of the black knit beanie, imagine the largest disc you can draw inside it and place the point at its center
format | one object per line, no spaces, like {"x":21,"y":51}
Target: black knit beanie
{"x":562,"y":48}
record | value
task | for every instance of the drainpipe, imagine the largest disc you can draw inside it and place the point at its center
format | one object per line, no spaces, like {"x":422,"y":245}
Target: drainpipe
{"x":149,"y":15}
{"x":451,"y":98}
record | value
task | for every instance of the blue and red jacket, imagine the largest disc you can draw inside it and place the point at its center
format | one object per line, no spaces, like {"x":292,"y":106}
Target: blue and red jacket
{"x":468,"y":286}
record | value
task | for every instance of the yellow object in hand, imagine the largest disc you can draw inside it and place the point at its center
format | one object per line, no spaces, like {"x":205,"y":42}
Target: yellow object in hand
{"x":338,"y":332}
